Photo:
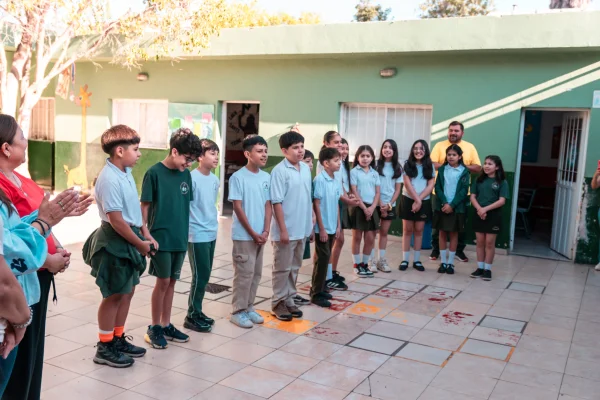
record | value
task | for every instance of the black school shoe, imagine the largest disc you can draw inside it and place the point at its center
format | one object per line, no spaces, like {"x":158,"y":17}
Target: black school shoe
{"x":478,"y":273}
{"x":319,"y":300}
{"x":442,"y":268}
{"x":338,"y":277}
{"x":418,"y":266}
{"x":300,"y":301}
{"x":435,"y":254}
{"x":325,"y":295}
{"x":107,"y":354}
{"x":334,"y":284}
{"x":487,"y":275}
{"x":362,"y":271}
{"x":461,"y":256}
{"x":123,"y":345}
{"x":155,"y":336}
{"x":403,"y":266}
{"x":206,"y":319}
{"x":198,"y":325}
{"x":450,"y":269}
{"x":175,"y":335}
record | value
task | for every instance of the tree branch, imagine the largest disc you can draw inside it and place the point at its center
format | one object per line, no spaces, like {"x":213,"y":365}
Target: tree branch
{"x":41,"y":62}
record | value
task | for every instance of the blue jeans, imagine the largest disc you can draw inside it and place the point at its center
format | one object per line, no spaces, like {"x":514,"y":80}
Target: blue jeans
{"x":6,"y":367}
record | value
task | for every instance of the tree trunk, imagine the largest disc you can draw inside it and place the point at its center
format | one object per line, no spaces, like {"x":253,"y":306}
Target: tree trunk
{"x":24,"y":120}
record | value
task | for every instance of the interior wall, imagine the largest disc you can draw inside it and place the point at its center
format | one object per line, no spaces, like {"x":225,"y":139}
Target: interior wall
{"x":549,"y":121}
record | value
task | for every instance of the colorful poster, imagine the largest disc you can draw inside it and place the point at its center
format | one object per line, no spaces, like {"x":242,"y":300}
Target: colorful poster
{"x":197,"y":117}
{"x":531,"y":136}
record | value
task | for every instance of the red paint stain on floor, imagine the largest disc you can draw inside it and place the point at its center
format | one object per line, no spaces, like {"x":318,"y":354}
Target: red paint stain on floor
{"x":455,"y":317}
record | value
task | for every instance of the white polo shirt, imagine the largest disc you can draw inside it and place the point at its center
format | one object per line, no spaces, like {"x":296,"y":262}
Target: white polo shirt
{"x":115,"y":191}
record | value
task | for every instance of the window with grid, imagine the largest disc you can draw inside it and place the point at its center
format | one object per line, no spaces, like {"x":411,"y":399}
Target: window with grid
{"x":373,"y":123}
{"x":42,"y":120}
{"x":150,"y":118}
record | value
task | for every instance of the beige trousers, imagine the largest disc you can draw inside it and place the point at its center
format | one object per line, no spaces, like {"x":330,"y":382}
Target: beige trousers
{"x":287,"y":260}
{"x":247,"y":267}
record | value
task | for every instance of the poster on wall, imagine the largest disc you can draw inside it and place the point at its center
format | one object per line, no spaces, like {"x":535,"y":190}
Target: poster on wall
{"x":197,"y":117}
{"x":556,"y":134}
{"x":242,"y":120}
{"x":531,"y":136}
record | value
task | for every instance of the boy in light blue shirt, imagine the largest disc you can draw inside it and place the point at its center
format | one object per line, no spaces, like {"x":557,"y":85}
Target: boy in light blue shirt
{"x":202,"y":233}
{"x":326,"y":197}
{"x":291,"y":199}
{"x":249,"y":191}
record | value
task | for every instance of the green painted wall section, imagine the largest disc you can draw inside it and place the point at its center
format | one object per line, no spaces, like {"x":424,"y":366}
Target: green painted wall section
{"x":41,"y":162}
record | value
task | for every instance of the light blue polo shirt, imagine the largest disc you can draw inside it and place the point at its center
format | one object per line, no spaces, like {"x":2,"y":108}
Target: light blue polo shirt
{"x":451,"y":178}
{"x":365,"y":183}
{"x":292,"y":188}
{"x":115,"y":191}
{"x":204,"y":221}
{"x":388,"y":184}
{"x":338,"y":175}
{"x":328,"y":191}
{"x":345,"y":182}
{"x":253,"y":189}
{"x":419,"y":183}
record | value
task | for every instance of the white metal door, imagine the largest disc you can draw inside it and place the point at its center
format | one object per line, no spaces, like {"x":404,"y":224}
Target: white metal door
{"x":566,"y":202}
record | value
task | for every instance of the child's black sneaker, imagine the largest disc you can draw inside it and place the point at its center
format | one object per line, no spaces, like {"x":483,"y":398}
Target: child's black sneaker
{"x":435,"y":254}
{"x":462,"y":256}
{"x":487,"y":275}
{"x":418,"y":266}
{"x":450,"y":269}
{"x":442,"y":268}
{"x":206,"y":319}
{"x":334,"y":284}
{"x":362,"y":271}
{"x":403,"y":266}
{"x":338,"y":277}
{"x":123,"y":345}
{"x":107,"y":354}
{"x":175,"y":335}
{"x":325,"y":295}
{"x":478,"y":273}
{"x":320,"y":301}
{"x":198,"y":325}
{"x":300,"y":301}
{"x":295,"y":311}
{"x":155,"y":336}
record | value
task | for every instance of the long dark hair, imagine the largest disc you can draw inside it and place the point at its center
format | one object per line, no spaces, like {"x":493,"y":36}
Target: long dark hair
{"x":395,"y":164}
{"x":500,"y":175}
{"x":347,"y":161}
{"x":361,"y":149}
{"x":458,"y":151}
{"x":328,"y":136}
{"x":8,"y":131}
{"x":410,"y":167}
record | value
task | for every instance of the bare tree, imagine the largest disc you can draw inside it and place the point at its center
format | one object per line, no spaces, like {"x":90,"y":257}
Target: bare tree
{"x":569,"y":3}
{"x":455,"y":8}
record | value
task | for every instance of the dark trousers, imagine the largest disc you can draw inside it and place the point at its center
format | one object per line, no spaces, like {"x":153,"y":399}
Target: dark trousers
{"x":26,"y":379}
{"x":6,"y":367}
{"x":201,"y":259}
{"x":323,"y":251}
{"x":435,"y":241}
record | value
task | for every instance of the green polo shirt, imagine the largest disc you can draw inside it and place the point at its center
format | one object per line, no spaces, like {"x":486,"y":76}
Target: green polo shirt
{"x":489,"y":191}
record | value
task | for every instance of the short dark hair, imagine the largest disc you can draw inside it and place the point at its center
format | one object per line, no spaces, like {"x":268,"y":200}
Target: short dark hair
{"x":252,"y":140}
{"x":328,"y":153}
{"x":308,"y":154}
{"x":208,"y":145}
{"x":118,"y":135}
{"x":289,"y":139}
{"x":185,"y":142}
{"x":455,"y":123}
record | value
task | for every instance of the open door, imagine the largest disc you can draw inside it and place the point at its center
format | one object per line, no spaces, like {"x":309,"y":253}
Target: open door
{"x":566,"y":199}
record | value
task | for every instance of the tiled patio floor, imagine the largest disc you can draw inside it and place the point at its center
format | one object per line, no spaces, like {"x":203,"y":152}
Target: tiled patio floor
{"x":529,"y":334}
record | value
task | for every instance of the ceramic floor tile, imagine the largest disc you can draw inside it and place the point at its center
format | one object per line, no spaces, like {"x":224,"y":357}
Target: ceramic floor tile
{"x":375,"y":307}
{"x":424,"y":354}
{"x":202,"y":342}
{"x":454,"y":381}
{"x":53,"y":376}
{"x":510,"y":391}
{"x":348,"y":295}
{"x":392,"y":293}
{"x":486,"y":349}
{"x":394,"y":331}
{"x":55,"y":346}
{"x":533,"y":329}
{"x":585,"y":353}
{"x":553,"y":321}
{"x":127,"y":378}
{"x":377,"y":344}
{"x":440,"y":291}
{"x":438,"y":340}
{"x":502,"y":324}
{"x":336,"y":376}
{"x":257,"y":381}
{"x":426,"y":304}
{"x":342,"y":328}
{"x":210,"y":368}
{"x":473,"y":365}
{"x":168,"y":358}
{"x":128,"y":395}
{"x":524,"y":287}
{"x":377,"y":280}
{"x":533,"y":377}
{"x":319,"y":314}
{"x":481,"y":295}
{"x":454,"y":322}
{"x":550,"y":362}
{"x":362,"y":287}
{"x":313,"y":348}
{"x":497,"y":336}
{"x":301,"y":389}
{"x":224,"y":393}
{"x":388,"y":388}
{"x":544,"y":345}
{"x":410,"y":286}
{"x":267,"y":337}
{"x":433,"y":393}
{"x":225,"y":328}
{"x":520,"y":296}
{"x":585,"y":338}
{"x":289,"y":364}
{"x":82,"y":388}
{"x":358,"y":358}
{"x":240,"y":351}
{"x":406,"y":318}
{"x":78,"y":361}
{"x":61,"y":323}
{"x":410,"y":370}
{"x":582,"y":369}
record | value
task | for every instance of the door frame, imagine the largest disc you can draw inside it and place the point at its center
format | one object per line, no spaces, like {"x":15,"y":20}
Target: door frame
{"x":223,"y":145}
{"x":580,"y":167}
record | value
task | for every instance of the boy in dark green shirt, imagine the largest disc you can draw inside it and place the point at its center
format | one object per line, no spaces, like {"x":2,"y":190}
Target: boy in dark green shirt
{"x":166,"y":196}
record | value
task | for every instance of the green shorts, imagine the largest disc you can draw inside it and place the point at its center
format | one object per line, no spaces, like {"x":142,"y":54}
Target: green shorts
{"x":306,"y":255}
{"x":167,"y":264}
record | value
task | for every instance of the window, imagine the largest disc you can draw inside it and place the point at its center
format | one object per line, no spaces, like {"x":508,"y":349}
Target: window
{"x":42,"y":120}
{"x":373,"y":123}
{"x":150,"y":118}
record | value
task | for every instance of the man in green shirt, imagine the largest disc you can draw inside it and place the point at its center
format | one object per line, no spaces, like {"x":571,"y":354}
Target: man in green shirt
{"x":166,"y":196}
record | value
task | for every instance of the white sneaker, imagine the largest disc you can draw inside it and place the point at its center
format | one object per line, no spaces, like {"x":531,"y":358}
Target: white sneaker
{"x":597,"y":267}
{"x":255,"y":317}
{"x":383,"y":266}
{"x":241,"y":319}
{"x":373,"y":265}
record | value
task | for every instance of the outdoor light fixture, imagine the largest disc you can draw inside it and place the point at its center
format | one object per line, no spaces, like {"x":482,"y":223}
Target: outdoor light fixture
{"x":388,"y":72}
{"x":143,"y":76}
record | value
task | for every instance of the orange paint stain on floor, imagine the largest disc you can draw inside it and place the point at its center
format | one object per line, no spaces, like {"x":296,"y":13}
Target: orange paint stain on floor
{"x":362,"y":308}
{"x":297,"y":326}
{"x":266,"y":315}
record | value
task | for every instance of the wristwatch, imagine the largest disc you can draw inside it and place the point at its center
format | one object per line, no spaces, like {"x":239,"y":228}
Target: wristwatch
{"x":26,"y":324}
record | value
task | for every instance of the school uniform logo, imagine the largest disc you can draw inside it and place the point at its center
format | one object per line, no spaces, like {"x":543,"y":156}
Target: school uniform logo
{"x":495,"y":186}
{"x":185,"y":188}
{"x":215,"y":187}
{"x":19,"y":265}
{"x":495,"y":228}
{"x":265,"y":186}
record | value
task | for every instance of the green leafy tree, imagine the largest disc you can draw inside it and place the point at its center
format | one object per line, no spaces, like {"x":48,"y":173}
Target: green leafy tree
{"x":367,"y":12}
{"x":455,"y":8}
{"x":569,"y":3}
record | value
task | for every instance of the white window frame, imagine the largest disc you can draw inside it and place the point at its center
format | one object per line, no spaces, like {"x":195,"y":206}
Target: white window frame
{"x":144,"y":143}
{"x":42,"y":119}
{"x":404,"y":147}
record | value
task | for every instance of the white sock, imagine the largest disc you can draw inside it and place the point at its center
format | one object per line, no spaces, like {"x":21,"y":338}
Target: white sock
{"x":381,"y":254}
{"x":451,"y":255}
{"x":406,"y":256}
{"x":356,"y":258}
{"x":329,"y":272}
{"x":444,"y":256}
{"x":417,"y":255}
{"x":372,"y":254}
{"x":480,"y":264}
{"x":365,"y":258}
{"x":488,"y":267}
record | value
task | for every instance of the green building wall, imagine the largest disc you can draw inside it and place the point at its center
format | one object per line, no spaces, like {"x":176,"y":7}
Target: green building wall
{"x":487,"y":89}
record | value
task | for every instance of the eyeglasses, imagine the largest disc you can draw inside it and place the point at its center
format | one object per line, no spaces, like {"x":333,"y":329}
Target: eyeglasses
{"x":189,"y":160}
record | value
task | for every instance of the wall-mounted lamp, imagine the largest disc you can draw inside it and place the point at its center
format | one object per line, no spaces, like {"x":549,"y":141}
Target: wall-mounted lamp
{"x":143,"y":76}
{"x":388,"y":72}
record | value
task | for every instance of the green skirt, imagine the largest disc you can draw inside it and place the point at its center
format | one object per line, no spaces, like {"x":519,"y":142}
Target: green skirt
{"x":116,"y":264}
{"x":359,"y":220}
{"x":454,"y":222}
